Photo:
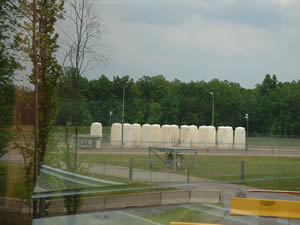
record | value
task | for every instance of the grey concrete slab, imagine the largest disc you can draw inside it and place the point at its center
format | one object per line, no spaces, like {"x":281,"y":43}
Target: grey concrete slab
{"x":175,"y":197}
{"x":208,"y":196}
{"x":143,"y":199}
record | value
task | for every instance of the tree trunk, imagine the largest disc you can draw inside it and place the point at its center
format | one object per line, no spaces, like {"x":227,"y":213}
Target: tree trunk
{"x":36,"y":107}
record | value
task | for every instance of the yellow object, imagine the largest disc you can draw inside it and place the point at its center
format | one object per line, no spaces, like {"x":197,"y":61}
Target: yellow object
{"x":185,"y":170}
{"x":181,"y":223}
{"x":265,"y":207}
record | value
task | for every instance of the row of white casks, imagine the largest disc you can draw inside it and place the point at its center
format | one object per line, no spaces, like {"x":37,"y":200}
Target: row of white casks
{"x":145,"y":136}
{"x":170,"y":135}
{"x":227,"y":139}
{"x":207,"y":137}
{"x":191,"y":136}
{"x":131,"y":135}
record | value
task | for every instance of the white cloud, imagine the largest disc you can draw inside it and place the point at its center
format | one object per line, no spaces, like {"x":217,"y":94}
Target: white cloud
{"x":236,"y":40}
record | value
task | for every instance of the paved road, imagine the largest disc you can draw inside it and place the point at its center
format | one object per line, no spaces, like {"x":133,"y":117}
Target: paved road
{"x":229,"y":191}
{"x":142,"y":175}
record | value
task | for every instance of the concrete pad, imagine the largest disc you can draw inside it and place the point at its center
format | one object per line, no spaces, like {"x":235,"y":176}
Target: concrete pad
{"x":92,"y":203}
{"x":204,"y":196}
{"x":175,"y":197}
{"x":123,"y":201}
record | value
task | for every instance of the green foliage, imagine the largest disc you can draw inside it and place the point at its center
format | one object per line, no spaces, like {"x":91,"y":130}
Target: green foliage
{"x":39,"y":40}
{"x":155,"y":113}
{"x":8,"y":64}
{"x":66,"y":100}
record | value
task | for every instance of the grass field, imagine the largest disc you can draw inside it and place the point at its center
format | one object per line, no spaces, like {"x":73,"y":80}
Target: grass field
{"x":176,"y":214}
{"x":265,"y":172}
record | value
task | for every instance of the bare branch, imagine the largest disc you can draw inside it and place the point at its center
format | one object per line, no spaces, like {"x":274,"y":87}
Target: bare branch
{"x":82,"y":34}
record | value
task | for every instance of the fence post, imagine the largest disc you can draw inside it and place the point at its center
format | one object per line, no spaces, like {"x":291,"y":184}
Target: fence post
{"x":130,"y":169}
{"x":188,"y":175}
{"x":149,"y":158}
{"x":196,"y":160}
{"x":242,"y":170}
{"x":174,"y":161}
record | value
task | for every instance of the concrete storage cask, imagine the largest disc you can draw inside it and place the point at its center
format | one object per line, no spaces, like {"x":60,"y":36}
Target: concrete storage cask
{"x":166,"y":135}
{"x":240,"y":138}
{"x":221,"y":137}
{"x":127,"y":137}
{"x":146,"y":136}
{"x":136,"y":134}
{"x":203,"y":137}
{"x":225,"y":137}
{"x":174,"y":135}
{"x":116,"y":134}
{"x":194,"y":136}
{"x":185,"y":136}
{"x":156,"y":135}
{"x":211,"y":137}
{"x":96,"y":130}
{"x":229,"y":134}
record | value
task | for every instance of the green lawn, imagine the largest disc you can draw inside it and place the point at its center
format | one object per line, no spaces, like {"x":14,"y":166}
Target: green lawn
{"x":274,"y":141}
{"x":177,"y":214}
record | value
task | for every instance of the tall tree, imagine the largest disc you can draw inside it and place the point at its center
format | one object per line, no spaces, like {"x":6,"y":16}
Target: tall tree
{"x":83,"y":22}
{"x":8,"y":64}
{"x":81,"y":32}
{"x":39,"y":41}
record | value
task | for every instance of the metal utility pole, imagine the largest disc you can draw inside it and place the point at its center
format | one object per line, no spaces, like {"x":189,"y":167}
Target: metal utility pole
{"x":247,"y":118}
{"x":213,"y":109}
{"x":110,"y":115}
{"x":123,"y":116}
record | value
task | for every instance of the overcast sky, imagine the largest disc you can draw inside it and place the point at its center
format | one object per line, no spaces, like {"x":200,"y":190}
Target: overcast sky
{"x":235,"y":40}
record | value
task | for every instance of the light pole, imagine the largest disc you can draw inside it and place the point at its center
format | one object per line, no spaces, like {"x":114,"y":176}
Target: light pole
{"x":110,"y":115}
{"x":123,"y":115}
{"x":247,"y":118}
{"x":213,"y":108}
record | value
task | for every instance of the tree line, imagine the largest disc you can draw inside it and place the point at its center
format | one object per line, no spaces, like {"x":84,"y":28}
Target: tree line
{"x":273,"y":107}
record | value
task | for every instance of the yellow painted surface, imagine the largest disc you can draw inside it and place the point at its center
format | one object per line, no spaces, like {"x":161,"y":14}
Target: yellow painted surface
{"x":182,"y":223}
{"x":265,"y":207}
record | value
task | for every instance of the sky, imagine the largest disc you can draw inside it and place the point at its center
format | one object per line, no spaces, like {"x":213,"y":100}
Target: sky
{"x":235,"y":40}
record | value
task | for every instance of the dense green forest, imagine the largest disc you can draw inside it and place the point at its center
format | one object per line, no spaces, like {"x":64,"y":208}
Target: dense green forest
{"x":273,"y":107}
